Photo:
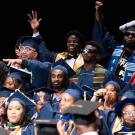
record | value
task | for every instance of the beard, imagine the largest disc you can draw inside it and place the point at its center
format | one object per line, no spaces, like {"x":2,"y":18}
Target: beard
{"x":57,"y":87}
{"x":130,"y":124}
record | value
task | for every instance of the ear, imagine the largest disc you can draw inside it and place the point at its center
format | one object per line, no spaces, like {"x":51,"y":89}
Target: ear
{"x":35,"y":55}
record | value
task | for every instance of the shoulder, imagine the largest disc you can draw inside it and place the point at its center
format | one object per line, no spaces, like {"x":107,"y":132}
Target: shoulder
{"x":100,"y":68}
{"x":61,"y":55}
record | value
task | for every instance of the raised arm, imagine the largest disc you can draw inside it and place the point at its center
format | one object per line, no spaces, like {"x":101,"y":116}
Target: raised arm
{"x":98,"y":8}
{"x":34,"y":21}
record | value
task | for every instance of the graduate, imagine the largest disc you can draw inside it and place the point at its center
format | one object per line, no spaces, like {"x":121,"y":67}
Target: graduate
{"x":17,"y":121}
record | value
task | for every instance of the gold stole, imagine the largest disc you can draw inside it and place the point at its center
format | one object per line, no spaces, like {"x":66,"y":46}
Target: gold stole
{"x":99,"y":76}
{"x":117,"y":125}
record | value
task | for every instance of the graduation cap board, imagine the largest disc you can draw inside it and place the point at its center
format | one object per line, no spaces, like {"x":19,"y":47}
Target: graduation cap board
{"x":21,"y":74}
{"x":83,"y":111}
{"x":88,"y":90}
{"x":63,"y":63}
{"x":84,"y":92}
{"x":5,"y":92}
{"x":44,"y":89}
{"x":21,"y":96}
{"x":46,"y":126}
{"x":30,"y":41}
{"x":33,"y":93}
{"x":121,"y":103}
{"x":82,"y":107}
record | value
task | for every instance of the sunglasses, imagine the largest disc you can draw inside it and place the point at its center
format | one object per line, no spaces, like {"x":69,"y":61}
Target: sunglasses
{"x":89,"y":50}
{"x":130,"y":34}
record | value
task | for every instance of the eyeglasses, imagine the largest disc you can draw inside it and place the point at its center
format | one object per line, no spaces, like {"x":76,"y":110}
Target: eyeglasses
{"x":89,"y":50}
{"x":26,"y":48}
{"x":127,"y":113}
{"x":130,"y":34}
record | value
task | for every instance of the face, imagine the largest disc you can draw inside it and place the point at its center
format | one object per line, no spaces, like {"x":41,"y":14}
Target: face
{"x":15,"y":112}
{"x":17,"y":52}
{"x":57,"y":78}
{"x":129,"y":38}
{"x":111,"y":94}
{"x":2,"y":111}
{"x":89,"y":53}
{"x":9,"y":83}
{"x":40,"y":103}
{"x":41,"y":95}
{"x":128,"y":114}
{"x":72,"y":43}
{"x":2,"y":99}
{"x":66,"y":101}
{"x":27,"y":52}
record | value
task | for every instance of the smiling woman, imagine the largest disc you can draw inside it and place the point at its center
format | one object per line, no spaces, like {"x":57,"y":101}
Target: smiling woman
{"x":17,"y":111}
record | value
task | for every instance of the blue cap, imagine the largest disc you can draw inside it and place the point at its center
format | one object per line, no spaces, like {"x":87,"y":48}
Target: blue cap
{"x":129,"y":94}
{"x":22,"y":98}
{"x":20,"y":74}
{"x":80,"y":89}
{"x":60,"y":67}
{"x":5,"y":92}
{"x":63,"y":63}
{"x":44,"y":89}
{"x":30,"y":41}
{"x":120,"y":104}
{"x":75,"y":93}
{"x":33,"y":92}
{"x":116,"y":85}
{"x":90,"y":91}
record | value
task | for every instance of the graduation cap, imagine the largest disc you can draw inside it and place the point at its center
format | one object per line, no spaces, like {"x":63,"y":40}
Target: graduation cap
{"x":120,"y":104}
{"x":30,"y":41}
{"x":44,"y":89}
{"x":20,"y":74}
{"x":46,"y":126}
{"x":83,"y":92}
{"x":33,"y":92}
{"x":129,"y":26}
{"x":56,"y":65}
{"x":21,"y":97}
{"x":127,"y":94}
{"x":83,"y":111}
{"x":89,"y":91}
{"x":5,"y":92}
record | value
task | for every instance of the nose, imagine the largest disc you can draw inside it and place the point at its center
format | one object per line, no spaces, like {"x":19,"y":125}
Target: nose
{"x":56,"y":78}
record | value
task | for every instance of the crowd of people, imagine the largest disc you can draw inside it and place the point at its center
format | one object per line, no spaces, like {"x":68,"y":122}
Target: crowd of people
{"x":89,"y":89}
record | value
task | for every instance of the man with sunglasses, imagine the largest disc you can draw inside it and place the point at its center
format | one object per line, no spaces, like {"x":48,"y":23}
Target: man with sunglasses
{"x":120,"y":55}
{"x":91,"y":73}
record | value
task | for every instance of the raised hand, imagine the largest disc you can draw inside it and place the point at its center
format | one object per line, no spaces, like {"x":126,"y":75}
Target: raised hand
{"x":34,"y":21}
{"x":98,"y":6}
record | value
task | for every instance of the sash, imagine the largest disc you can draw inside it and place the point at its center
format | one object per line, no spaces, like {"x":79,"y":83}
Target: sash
{"x":117,"y":54}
